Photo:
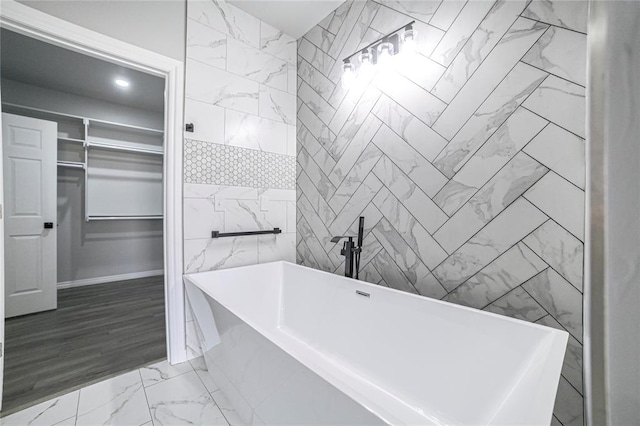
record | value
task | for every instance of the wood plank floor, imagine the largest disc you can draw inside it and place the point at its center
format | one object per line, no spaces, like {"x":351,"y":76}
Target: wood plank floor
{"x":97,"y":331}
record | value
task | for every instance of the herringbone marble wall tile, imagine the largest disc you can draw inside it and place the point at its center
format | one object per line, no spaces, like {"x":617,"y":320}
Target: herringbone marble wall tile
{"x":467,"y":159}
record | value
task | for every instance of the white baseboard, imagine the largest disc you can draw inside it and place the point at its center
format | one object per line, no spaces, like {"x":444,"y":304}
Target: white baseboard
{"x":111,"y":278}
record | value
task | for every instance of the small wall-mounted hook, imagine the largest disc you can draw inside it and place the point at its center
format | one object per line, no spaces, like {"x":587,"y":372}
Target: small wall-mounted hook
{"x":188,"y":127}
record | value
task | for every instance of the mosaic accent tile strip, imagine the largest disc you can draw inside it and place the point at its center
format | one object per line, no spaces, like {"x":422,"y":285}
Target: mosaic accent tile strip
{"x":212,"y":163}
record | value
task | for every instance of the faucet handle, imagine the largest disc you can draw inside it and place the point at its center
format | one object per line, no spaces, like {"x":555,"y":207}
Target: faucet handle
{"x":338,"y":238}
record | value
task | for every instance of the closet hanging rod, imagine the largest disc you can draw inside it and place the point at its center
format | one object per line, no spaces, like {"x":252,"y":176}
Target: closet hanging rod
{"x":72,"y":164}
{"x":217,"y":234}
{"x":89,"y":218}
{"x":74,"y":140}
{"x":124,"y":148}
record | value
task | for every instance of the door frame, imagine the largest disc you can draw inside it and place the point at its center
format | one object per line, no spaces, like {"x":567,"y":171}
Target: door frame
{"x":33,"y":23}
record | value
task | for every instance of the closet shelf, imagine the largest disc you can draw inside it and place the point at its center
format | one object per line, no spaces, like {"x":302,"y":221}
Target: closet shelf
{"x":110,"y":124}
{"x":71,"y":164}
{"x":89,"y":218}
{"x":124,"y":148}
{"x":78,"y":117}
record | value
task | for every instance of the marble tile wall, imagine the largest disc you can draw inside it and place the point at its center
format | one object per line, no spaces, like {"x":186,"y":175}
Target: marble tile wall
{"x":467,"y":159}
{"x":239,"y":162}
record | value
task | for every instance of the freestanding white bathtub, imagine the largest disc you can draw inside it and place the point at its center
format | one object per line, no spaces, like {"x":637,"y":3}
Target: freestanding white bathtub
{"x":292,"y":345}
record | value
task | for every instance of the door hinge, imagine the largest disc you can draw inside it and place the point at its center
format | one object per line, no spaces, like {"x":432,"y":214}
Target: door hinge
{"x":1,"y":350}
{"x":0,"y":211}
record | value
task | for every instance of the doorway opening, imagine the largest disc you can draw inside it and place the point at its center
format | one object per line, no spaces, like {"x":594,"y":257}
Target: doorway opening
{"x":83,"y":160}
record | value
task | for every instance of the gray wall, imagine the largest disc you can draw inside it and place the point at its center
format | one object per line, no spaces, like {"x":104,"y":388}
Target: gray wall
{"x":101,"y":249}
{"x":613,"y":285}
{"x":467,"y":160}
{"x":94,"y":249}
{"x":158,"y":25}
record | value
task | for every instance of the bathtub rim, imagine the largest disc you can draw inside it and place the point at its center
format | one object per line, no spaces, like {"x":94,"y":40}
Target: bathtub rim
{"x":286,"y":264}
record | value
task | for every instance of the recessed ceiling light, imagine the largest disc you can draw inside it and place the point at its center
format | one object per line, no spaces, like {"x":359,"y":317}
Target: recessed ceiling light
{"x":122,"y":83}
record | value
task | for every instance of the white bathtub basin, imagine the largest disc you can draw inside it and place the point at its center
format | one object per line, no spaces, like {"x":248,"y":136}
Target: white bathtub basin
{"x":399,"y":358}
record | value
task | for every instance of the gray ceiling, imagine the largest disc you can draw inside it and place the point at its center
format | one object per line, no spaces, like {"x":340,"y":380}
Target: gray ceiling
{"x":41,"y":64}
{"x":291,"y":17}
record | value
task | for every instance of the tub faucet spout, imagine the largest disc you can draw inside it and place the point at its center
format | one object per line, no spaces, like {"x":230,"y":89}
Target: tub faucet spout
{"x":351,"y":251}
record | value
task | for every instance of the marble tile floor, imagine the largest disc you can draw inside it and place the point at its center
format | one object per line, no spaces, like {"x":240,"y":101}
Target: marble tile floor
{"x":159,"y":394}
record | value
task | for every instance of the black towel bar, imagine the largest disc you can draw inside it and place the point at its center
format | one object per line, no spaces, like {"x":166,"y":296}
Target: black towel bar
{"x":217,"y":234}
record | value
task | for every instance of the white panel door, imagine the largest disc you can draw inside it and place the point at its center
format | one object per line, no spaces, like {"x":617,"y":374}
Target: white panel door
{"x":29,"y":162}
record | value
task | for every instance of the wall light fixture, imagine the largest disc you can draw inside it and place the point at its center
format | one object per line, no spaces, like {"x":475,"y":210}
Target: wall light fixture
{"x":379,"y":53}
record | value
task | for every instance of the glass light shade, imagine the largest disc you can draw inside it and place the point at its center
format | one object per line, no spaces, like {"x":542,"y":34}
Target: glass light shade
{"x":385,"y":50}
{"x":365,"y":57}
{"x":348,"y":75}
{"x":366,"y":63}
{"x":409,"y":39}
